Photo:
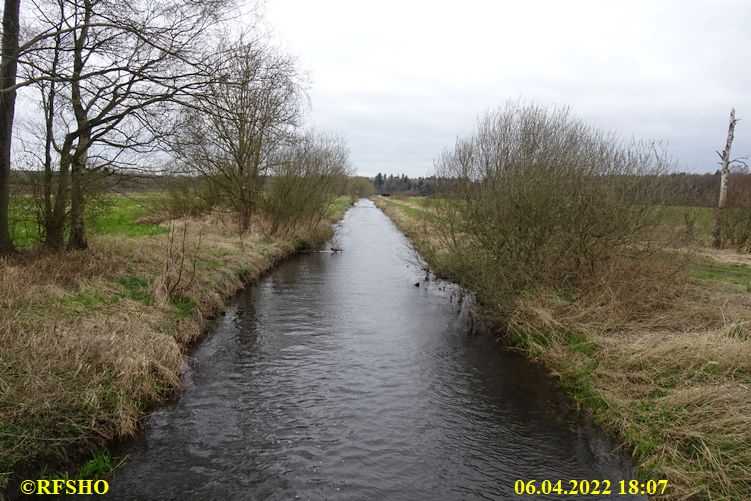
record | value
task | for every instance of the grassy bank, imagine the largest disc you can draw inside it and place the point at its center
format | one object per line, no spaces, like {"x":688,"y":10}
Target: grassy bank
{"x":89,"y":340}
{"x":671,"y":378}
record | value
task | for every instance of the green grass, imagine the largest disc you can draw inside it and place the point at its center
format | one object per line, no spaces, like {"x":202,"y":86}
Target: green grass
{"x":108,"y":215}
{"x":701,"y":218}
{"x":96,"y":467}
{"x":118,"y":215}
{"x":733,"y":273}
{"x":185,"y":306}
{"x":418,"y":200}
{"x":23,"y":225}
{"x":579,"y":343}
{"x":409,"y":211}
{"x":136,"y":288}
{"x":242,"y":272}
{"x":113,"y":215}
{"x":577,"y":383}
{"x":338,"y":206}
{"x":414,"y":212}
{"x":89,"y":300}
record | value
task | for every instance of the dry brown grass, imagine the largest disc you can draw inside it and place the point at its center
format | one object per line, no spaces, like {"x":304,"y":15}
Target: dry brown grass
{"x":664,"y":364}
{"x":90,"y":339}
{"x":673,"y":381}
{"x":682,"y":400}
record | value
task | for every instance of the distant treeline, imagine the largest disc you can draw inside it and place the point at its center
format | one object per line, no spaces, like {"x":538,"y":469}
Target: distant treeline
{"x":27,"y":182}
{"x":403,"y":184}
{"x":688,"y":189}
{"x":703,"y":190}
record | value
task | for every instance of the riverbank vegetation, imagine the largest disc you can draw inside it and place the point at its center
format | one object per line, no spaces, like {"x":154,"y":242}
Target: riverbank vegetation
{"x":91,"y":339}
{"x":560,"y":231}
{"x":161,"y":166}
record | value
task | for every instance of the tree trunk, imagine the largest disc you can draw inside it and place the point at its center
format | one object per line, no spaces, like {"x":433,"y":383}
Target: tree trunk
{"x":47,"y":180}
{"x":717,"y":236}
{"x":55,"y":227}
{"x":8,"y":71}
{"x":77,"y":239}
{"x":49,"y":103}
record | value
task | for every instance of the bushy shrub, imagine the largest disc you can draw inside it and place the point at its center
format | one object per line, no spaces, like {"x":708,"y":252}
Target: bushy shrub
{"x":537,"y":198}
{"x":303,"y":182}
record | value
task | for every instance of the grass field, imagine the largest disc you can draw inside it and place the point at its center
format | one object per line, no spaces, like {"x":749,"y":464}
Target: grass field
{"x":108,"y":215}
{"x":113,"y":215}
{"x":723,"y":271}
{"x":699,"y":219}
{"x":674,"y":218}
{"x":119,"y":215}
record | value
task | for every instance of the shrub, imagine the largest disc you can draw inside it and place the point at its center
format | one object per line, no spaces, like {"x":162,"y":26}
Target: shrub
{"x":186,"y":196}
{"x":536,"y":198}
{"x":304,"y":182}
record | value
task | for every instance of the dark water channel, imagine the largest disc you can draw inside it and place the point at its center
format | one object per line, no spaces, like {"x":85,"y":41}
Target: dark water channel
{"x":336,"y":378}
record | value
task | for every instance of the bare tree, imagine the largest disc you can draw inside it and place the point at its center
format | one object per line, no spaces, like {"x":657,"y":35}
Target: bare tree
{"x":231,"y":132}
{"x":717,"y":240}
{"x":112,"y":72}
{"x":11,"y":50}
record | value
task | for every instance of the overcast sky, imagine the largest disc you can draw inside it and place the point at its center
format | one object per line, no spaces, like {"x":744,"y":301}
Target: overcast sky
{"x":401,"y":79}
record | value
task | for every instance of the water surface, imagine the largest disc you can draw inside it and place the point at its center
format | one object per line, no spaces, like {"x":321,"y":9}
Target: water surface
{"x":335,"y":377}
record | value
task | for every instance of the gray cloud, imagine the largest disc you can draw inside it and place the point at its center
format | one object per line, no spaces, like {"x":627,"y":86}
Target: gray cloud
{"x":401,"y":79}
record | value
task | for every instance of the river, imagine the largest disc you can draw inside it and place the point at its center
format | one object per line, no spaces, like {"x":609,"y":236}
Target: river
{"x":336,"y":377}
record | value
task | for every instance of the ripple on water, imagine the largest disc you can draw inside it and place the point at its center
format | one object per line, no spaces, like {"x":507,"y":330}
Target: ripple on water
{"x":336,"y":378}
